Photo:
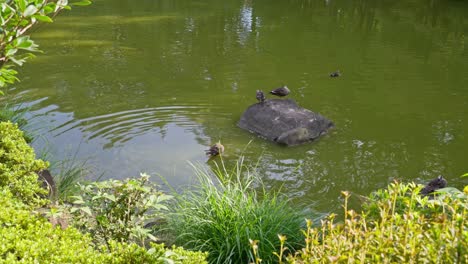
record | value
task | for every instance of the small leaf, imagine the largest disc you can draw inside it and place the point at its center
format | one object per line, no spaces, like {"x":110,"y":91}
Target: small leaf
{"x":43,"y":18}
{"x":109,"y":197}
{"x":22,"y":4}
{"x":30,"y":10}
{"x":11,"y":52}
{"x":464,"y":175}
{"x":86,"y":210}
{"x":82,"y":3}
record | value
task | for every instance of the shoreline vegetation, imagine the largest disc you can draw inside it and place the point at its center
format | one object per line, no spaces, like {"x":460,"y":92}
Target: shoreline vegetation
{"x":231,"y":217}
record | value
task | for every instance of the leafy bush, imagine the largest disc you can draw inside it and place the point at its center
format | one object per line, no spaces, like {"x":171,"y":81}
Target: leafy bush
{"x":407,"y":229}
{"x":118,"y":210}
{"x":29,"y":238}
{"x":16,"y":114}
{"x":18,"y":165}
{"x":223,"y":214}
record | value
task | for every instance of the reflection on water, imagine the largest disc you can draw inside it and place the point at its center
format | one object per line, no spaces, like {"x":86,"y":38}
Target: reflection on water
{"x":148,"y":87}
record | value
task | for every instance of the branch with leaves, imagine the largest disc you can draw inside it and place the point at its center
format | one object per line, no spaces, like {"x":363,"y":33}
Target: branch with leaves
{"x":17,"y":18}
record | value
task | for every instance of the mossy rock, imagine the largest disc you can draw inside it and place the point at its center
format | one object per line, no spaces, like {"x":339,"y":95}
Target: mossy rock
{"x":284,"y":122}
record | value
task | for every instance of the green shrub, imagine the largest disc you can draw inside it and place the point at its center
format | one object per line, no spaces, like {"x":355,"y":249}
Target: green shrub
{"x":223,"y":214}
{"x":118,"y":210}
{"x":406,"y":229}
{"x":18,"y":166}
{"x":132,"y":253}
{"x":16,"y":114}
{"x":29,"y":238}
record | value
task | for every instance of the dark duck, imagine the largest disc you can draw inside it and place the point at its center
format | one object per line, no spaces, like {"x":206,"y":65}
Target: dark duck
{"x":434,"y":185}
{"x":282,"y":91}
{"x":260,"y":96}
{"x":335,"y":74}
{"x":215,"y":150}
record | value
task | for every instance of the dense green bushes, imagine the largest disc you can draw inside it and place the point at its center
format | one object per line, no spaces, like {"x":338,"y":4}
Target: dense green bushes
{"x":28,"y":237}
{"x":396,"y":226}
{"x":18,"y":165}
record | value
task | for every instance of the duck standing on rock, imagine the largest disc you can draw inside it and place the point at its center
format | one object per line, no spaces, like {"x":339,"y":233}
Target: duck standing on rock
{"x":335,"y":74}
{"x":282,"y":91}
{"x":215,"y":150}
{"x":260,"y":96}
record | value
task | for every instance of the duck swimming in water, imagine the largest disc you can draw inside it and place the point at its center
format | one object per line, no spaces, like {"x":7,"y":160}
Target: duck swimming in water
{"x":215,"y":150}
{"x":260,"y":96}
{"x":335,"y":74}
{"x":282,"y":91}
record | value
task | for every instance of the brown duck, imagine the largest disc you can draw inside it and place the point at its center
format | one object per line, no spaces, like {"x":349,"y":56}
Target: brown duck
{"x":215,"y":150}
{"x":282,"y":91}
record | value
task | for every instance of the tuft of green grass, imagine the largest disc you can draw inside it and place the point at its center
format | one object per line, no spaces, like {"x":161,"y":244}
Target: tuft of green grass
{"x":67,"y":173}
{"x":229,"y":209}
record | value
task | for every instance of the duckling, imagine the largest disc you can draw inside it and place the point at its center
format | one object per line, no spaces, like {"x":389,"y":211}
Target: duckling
{"x":215,"y":150}
{"x":434,"y":185}
{"x":282,"y":91}
{"x":335,"y":74}
{"x":260,"y":96}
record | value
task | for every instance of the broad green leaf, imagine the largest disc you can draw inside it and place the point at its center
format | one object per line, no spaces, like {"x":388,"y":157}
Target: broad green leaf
{"x":11,"y":52}
{"x":86,"y":210}
{"x":22,"y":4}
{"x":30,"y":10}
{"x":109,"y":197}
{"x":465,"y":175}
{"x":43,"y":18}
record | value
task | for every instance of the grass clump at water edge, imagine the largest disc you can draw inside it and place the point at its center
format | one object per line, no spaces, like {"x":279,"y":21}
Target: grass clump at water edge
{"x":228,"y":209}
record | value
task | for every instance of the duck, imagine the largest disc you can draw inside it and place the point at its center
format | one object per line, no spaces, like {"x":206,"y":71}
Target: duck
{"x":260,"y":96}
{"x":335,"y":74}
{"x":434,"y":185}
{"x":215,"y":150}
{"x":282,"y":91}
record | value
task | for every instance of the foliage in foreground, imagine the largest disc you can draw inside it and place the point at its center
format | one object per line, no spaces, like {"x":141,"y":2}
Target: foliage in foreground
{"x":18,"y":165}
{"x":29,"y":238}
{"x":118,"y":210}
{"x":406,"y":229}
{"x":225,"y":211}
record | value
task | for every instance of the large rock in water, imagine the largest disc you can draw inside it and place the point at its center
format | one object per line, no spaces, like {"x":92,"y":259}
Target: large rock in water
{"x":283,"y":121}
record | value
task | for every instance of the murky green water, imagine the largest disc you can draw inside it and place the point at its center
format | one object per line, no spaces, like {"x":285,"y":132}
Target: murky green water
{"x":147,"y":85}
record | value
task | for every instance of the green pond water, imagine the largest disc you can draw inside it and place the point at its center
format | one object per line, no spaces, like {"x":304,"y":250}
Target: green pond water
{"x":146,"y":85}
